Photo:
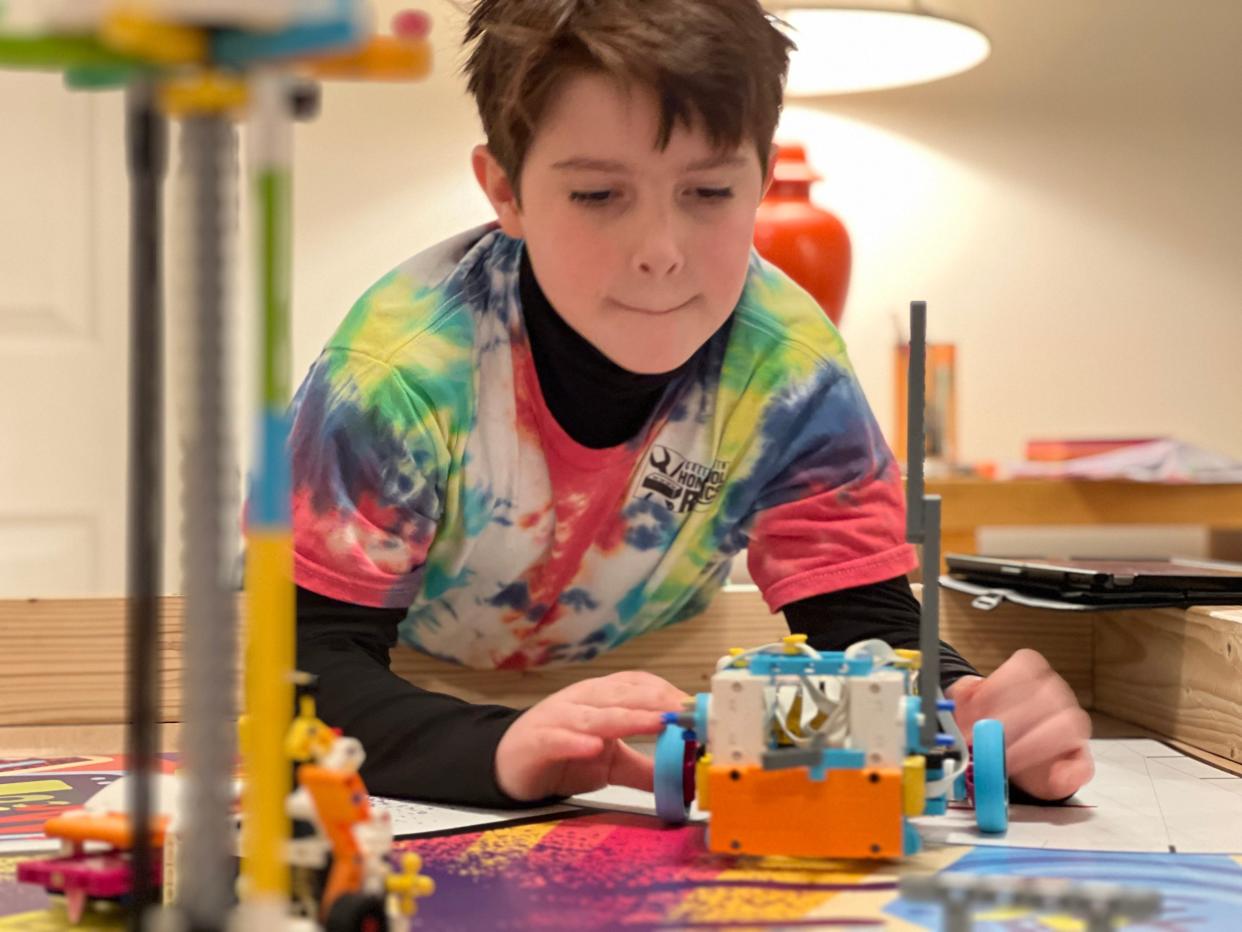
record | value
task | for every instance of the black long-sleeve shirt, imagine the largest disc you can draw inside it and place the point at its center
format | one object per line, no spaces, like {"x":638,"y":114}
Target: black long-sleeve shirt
{"x":431,"y":746}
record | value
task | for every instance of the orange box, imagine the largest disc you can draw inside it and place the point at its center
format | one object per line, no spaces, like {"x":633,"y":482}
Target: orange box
{"x":848,"y":814}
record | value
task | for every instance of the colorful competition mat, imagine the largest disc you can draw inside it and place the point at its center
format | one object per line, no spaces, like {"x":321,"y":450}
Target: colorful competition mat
{"x":614,"y":870}
{"x":625,"y":871}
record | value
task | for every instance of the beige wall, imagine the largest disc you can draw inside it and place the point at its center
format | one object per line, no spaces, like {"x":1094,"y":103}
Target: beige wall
{"x":1069,"y":211}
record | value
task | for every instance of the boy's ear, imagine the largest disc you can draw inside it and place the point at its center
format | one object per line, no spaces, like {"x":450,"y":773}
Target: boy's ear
{"x":771,"y":172}
{"x":495,"y":184}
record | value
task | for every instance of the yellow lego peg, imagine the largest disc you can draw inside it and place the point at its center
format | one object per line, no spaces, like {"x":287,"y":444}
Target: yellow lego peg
{"x":911,"y":658}
{"x":130,"y":32}
{"x":793,"y":642}
{"x":309,"y":738}
{"x":914,"y":785}
{"x":702,"y":770}
{"x":409,"y":886}
{"x":210,"y":93}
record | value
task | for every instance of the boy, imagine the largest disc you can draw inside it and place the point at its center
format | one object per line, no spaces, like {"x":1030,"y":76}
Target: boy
{"x":542,"y":438}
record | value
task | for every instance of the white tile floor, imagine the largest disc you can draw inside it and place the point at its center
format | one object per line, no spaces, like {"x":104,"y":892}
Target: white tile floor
{"x":1145,"y":797}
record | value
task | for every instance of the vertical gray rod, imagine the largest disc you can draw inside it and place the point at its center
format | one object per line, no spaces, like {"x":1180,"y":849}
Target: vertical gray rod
{"x":147,"y":160}
{"x":923,"y":525}
{"x":929,"y":629}
{"x":915,"y":443}
{"x":210,"y":515}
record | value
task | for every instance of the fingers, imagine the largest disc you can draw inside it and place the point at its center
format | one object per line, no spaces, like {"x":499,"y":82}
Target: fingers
{"x":1054,"y":737}
{"x":571,"y":741}
{"x":1043,"y":699}
{"x":630,"y":689}
{"x":631,"y":768}
{"x":611,"y":722}
{"x":1071,"y":773}
{"x":532,"y":758}
{"x":1058,"y":778}
{"x":555,"y":743}
{"x":963,"y":691}
{"x":1011,"y":685}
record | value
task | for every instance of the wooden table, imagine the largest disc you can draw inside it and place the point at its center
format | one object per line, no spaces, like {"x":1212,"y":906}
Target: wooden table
{"x":1174,"y":673}
{"x":1177,"y":673}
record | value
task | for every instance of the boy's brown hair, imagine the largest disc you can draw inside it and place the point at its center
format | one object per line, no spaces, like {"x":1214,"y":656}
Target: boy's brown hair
{"x":719,"y":62}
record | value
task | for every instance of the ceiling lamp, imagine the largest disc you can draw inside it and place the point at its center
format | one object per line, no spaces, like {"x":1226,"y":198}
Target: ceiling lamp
{"x":846,"y":48}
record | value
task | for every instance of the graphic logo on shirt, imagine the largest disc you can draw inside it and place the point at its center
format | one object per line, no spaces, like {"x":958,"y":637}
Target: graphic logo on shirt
{"x":679,"y":484}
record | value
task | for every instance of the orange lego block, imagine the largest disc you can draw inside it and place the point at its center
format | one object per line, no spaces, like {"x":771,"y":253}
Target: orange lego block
{"x":849,"y":814}
{"x":341,"y":802}
{"x":112,"y":828}
{"x":383,"y":58}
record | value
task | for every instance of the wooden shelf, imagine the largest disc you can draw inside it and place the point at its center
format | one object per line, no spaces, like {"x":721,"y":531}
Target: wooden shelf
{"x":969,"y":504}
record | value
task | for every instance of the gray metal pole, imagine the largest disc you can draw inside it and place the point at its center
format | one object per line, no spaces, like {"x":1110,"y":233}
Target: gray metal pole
{"x":915,"y":401}
{"x":209,"y":147}
{"x":147,"y":157}
{"x":923,"y":525}
{"x":929,"y":628}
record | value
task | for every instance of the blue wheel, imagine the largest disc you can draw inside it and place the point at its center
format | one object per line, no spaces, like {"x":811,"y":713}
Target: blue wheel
{"x":991,"y":780}
{"x":674,"y":774}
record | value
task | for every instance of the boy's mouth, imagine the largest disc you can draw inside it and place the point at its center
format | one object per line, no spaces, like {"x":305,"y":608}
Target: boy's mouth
{"x":653,"y":311}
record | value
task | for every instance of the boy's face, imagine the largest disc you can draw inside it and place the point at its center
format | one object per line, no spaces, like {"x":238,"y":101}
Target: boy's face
{"x":642,"y":251}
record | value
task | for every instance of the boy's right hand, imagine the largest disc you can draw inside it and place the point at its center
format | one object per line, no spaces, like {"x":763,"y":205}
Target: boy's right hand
{"x":571,"y":741}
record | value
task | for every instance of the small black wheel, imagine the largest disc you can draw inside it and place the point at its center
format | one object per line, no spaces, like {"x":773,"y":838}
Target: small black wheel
{"x":357,"y":912}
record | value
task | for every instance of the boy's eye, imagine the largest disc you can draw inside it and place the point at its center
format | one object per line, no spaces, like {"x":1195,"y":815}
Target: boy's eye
{"x":591,"y":198}
{"x":713,"y":194}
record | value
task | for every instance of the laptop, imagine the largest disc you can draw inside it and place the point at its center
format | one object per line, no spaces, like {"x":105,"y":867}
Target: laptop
{"x":1112,"y":583}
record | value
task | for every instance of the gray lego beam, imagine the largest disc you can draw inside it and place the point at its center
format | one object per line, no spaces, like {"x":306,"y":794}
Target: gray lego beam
{"x":923,"y":525}
{"x":205,"y":887}
{"x":1100,"y":905}
{"x":915,"y":429}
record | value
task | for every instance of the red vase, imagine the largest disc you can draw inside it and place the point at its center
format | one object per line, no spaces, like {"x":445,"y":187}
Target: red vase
{"x":807,"y":243}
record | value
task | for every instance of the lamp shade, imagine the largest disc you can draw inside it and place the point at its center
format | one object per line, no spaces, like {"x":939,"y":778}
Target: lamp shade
{"x":807,"y":243}
{"x":844,"y":49}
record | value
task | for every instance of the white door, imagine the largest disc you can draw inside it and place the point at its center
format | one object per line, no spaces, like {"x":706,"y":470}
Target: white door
{"x":63,"y":339}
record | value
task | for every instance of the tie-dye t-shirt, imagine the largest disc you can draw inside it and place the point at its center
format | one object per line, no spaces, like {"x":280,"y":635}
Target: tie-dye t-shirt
{"x":429,"y":474}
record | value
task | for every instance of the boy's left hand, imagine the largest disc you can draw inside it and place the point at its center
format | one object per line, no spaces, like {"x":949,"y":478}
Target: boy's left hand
{"x":1046,"y":731}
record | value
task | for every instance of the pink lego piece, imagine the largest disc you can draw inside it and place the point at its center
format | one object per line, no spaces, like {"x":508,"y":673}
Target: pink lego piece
{"x":411,"y":24}
{"x":104,"y":875}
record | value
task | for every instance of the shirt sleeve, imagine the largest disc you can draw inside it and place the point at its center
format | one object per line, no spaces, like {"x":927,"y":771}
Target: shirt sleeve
{"x":368,"y":471}
{"x":831,"y":513}
{"x":419,"y":744}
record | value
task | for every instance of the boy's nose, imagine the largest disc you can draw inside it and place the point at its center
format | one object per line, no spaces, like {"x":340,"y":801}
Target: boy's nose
{"x":660,"y":267}
{"x":659,"y":256}
{"x":658,"y":253}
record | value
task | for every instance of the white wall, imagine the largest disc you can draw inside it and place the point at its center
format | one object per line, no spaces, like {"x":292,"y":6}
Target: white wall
{"x":1068,"y":210}
{"x":382,"y":173}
